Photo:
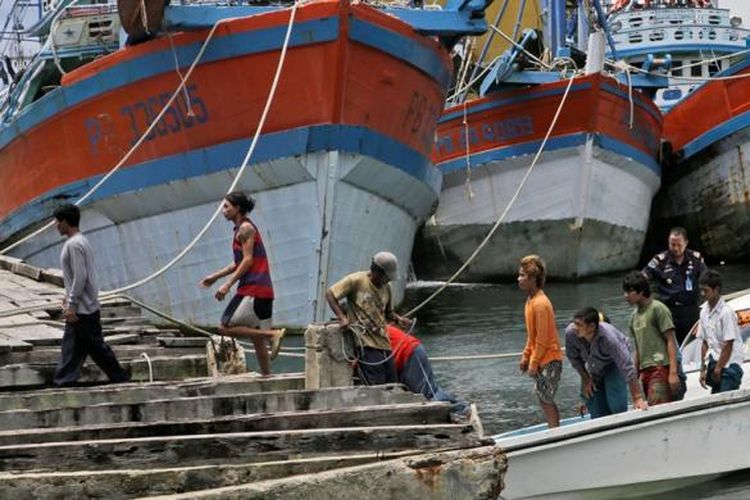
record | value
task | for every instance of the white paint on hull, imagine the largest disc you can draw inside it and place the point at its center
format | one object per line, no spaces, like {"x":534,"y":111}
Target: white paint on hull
{"x":373,"y":207}
{"x":569,"y":188}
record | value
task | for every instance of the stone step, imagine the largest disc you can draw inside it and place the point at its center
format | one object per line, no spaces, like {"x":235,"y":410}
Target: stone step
{"x":396,"y":414}
{"x":181,"y":451}
{"x":77,"y":397}
{"x":123,"y":351}
{"x":164,"y":368}
{"x":206,"y":407}
{"x":450,"y":475}
{"x":132,"y":483}
{"x":115,"y":311}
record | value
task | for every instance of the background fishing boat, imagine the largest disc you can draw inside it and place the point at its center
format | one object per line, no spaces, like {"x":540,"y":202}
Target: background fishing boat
{"x":704,"y":132}
{"x":585,"y":207}
{"x":341,"y":168}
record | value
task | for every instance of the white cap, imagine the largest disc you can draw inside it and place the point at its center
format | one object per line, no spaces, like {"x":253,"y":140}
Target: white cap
{"x":388,"y":263}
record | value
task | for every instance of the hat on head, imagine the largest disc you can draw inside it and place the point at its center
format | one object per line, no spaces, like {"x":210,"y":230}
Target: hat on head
{"x":388,"y":263}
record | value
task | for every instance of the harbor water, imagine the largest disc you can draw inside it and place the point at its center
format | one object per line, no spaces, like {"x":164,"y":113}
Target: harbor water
{"x":471,"y":319}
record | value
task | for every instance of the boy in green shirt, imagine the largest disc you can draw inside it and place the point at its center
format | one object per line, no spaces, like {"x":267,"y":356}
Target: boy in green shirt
{"x":656,"y":350}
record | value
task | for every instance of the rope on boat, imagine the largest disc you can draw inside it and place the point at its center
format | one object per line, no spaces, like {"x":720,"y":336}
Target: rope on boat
{"x":237,"y":177}
{"x":499,"y":221}
{"x":135,"y":146}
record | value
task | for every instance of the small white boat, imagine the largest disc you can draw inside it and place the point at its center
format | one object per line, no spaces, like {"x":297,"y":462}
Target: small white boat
{"x":638,"y":452}
{"x":631,"y":454}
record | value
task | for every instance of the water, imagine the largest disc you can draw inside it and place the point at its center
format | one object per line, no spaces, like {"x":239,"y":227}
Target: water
{"x":488,"y":319}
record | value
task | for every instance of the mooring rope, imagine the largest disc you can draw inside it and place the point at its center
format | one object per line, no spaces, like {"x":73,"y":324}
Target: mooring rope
{"x":513,"y":199}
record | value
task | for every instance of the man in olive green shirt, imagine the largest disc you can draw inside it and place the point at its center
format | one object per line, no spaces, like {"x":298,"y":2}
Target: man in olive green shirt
{"x":656,"y":351}
{"x":369,"y":305}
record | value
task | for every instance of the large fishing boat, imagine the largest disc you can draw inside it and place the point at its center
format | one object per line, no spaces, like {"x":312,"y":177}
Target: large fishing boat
{"x":687,"y":41}
{"x":585,"y":206}
{"x":706,"y":137}
{"x":341,"y":169}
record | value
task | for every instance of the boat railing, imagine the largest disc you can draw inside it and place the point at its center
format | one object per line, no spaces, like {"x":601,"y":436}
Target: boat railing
{"x":683,"y":35}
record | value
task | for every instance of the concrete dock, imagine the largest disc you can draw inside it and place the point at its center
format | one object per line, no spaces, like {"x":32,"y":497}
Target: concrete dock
{"x":309,"y":434}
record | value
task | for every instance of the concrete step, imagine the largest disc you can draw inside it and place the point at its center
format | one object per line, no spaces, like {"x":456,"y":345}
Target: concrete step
{"x":450,"y":475}
{"x":123,"y":351}
{"x":78,"y":397}
{"x":132,"y":483}
{"x":181,"y":451}
{"x":397,"y":414}
{"x":164,"y":368}
{"x":207,"y":407}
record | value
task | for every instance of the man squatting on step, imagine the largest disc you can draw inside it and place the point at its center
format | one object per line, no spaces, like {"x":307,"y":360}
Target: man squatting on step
{"x":369,"y":304}
{"x":83,"y":328}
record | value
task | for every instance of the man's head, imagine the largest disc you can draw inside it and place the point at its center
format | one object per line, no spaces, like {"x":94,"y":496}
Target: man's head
{"x":586,"y":322}
{"x":710,"y":285}
{"x":532,"y":273}
{"x":384,"y":268}
{"x":67,"y":218}
{"x":678,"y":241}
{"x":237,"y":203}
{"x":636,"y":287}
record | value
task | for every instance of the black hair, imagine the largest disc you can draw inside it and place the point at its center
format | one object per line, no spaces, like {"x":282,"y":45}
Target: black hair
{"x":711,"y":279}
{"x":679,"y":231}
{"x":68,"y":213}
{"x":241,"y":200}
{"x":588,"y":315}
{"x":636,"y":281}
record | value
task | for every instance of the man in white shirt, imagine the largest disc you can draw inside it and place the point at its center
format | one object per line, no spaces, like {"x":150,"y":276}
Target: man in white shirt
{"x":721,"y":339}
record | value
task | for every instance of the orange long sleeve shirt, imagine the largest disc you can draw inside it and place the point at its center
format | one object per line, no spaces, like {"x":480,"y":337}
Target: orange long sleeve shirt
{"x":542,"y":339}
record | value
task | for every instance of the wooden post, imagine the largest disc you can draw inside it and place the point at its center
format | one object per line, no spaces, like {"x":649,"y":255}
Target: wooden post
{"x":326,"y":362}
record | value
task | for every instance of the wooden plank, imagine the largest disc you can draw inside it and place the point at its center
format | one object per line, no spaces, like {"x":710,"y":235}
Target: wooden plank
{"x":221,"y":448}
{"x":360,"y":416}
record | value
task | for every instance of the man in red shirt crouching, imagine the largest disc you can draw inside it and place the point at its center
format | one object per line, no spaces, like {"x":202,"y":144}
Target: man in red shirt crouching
{"x":415,"y":372}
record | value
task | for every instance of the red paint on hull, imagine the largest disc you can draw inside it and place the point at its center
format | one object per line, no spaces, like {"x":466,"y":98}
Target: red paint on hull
{"x":337,"y":82}
{"x":529,"y":113}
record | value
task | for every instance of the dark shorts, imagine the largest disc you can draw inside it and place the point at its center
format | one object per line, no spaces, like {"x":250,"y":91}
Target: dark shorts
{"x":252,"y":312}
{"x":547,"y":381}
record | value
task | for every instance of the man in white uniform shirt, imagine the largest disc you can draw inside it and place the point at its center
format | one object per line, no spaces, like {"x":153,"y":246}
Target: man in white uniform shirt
{"x":721,"y":339}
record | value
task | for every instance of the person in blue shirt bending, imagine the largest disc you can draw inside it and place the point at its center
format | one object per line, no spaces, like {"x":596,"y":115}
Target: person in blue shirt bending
{"x":601,"y":355}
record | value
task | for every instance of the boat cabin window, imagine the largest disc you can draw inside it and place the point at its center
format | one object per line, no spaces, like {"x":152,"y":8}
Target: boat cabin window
{"x":635,"y":38}
{"x":679,"y":35}
{"x":636,"y":21}
{"x":713,"y":68}
{"x":672,"y":94}
{"x":656,"y":36}
{"x":714,"y":19}
{"x":696,"y":69}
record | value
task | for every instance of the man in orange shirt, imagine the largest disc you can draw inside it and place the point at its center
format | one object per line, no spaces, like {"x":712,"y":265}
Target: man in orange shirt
{"x":542,"y":356}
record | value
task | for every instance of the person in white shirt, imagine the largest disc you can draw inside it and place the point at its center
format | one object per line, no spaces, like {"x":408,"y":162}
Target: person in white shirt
{"x":721,"y":338}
